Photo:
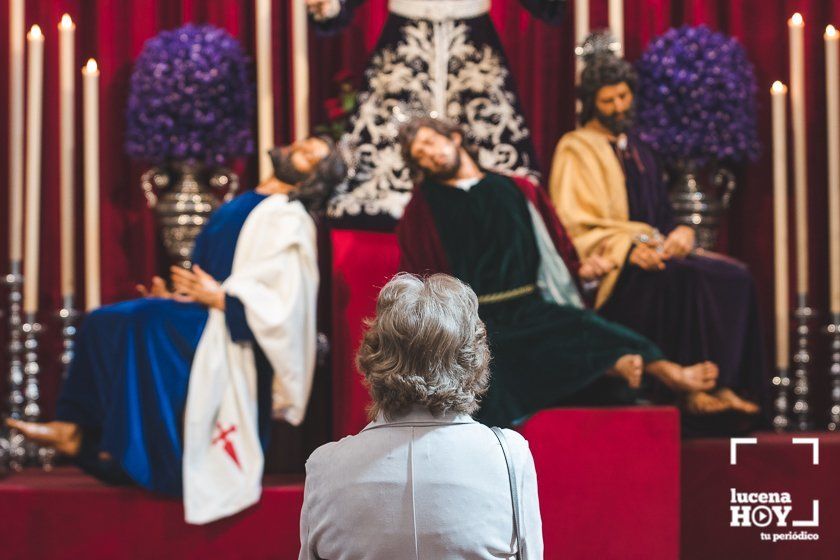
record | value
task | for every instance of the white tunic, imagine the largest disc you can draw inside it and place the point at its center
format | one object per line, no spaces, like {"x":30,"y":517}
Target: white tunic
{"x":275,"y":276}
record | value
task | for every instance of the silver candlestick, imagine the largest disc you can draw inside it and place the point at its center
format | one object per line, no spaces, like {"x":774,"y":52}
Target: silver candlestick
{"x":68,"y":316}
{"x":802,"y":362}
{"x":32,"y":392}
{"x":12,"y":451}
{"x":834,"y":373}
{"x":781,"y":421}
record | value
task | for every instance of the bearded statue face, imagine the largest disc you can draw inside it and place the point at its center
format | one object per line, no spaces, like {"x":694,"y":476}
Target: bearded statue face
{"x":614,"y":107}
{"x":295,"y":163}
{"x":437,"y":155}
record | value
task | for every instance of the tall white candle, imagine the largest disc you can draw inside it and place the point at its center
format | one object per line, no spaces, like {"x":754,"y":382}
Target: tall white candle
{"x":796,"y":28}
{"x":616,"y":18}
{"x":16,"y":42}
{"x":67,"y":149}
{"x":780,"y":228}
{"x":581,"y":31}
{"x":832,"y":82}
{"x":90,"y":92}
{"x":34,"y":120}
{"x":265,"y":97}
{"x":300,"y":67}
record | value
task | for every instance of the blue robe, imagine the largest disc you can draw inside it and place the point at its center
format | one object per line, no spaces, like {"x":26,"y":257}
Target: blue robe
{"x":127,"y":385}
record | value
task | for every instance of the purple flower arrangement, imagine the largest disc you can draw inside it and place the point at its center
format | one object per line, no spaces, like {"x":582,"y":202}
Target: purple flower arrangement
{"x":190,"y":98}
{"x":696,"y":98}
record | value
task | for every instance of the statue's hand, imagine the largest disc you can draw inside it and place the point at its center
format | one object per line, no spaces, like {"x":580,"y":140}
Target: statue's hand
{"x":197,"y":286}
{"x":647,"y":258}
{"x":156,"y":290}
{"x":595,"y":267}
{"x":323,"y":9}
{"x":680,"y":242}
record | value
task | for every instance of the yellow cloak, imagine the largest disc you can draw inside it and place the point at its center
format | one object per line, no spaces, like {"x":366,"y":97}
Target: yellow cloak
{"x":587,"y":186}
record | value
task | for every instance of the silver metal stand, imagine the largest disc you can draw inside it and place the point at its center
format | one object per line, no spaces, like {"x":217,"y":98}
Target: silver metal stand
{"x":834,"y":373}
{"x":68,"y":316}
{"x":12,"y":450}
{"x":32,"y":392}
{"x":802,"y":362}
{"x":781,"y":420}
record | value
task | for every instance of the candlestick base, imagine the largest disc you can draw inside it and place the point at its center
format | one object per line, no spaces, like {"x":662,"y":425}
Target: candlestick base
{"x":68,"y":316}
{"x":833,"y":330}
{"x":802,"y":363}
{"x":781,"y":421}
{"x":12,"y":451}
{"x":32,"y":392}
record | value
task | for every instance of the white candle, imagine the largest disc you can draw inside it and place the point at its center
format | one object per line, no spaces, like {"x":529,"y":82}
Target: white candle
{"x":832,"y":81}
{"x":780,"y":230}
{"x":265,"y":97}
{"x":16,"y":42}
{"x":796,"y":28}
{"x":90,"y":92}
{"x":67,"y":149}
{"x":581,"y":31}
{"x":616,"y":17}
{"x":34,"y":120}
{"x":301,"y":68}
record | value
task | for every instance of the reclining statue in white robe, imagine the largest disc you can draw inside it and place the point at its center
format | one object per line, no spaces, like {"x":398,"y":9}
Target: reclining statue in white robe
{"x":175,"y":391}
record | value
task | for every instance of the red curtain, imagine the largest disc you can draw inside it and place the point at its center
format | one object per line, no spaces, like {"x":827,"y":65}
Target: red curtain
{"x":540,"y":57}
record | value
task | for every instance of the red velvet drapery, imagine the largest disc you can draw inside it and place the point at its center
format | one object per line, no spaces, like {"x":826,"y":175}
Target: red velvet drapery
{"x":540,"y":56}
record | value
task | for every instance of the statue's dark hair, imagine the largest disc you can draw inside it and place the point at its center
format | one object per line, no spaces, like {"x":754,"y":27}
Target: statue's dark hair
{"x":602,"y":70}
{"x":408,"y":133}
{"x":318,"y":188}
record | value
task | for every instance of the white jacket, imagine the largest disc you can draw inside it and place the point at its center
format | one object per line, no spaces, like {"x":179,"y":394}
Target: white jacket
{"x":434,"y":491}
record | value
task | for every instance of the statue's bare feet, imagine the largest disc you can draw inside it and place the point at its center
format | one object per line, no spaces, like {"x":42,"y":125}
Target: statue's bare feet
{"x":630,"y":367}
{"x":701,"y":403}
{"x":684,"y":379}
{"x":65,"y":437}
{"x":735,"y":402}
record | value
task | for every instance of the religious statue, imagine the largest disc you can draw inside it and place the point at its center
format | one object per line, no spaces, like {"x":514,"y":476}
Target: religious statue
{"x":175,"y":391}
{"x":441,"y":57}
{"x":609,"y":192}
{"x":501,"y":235}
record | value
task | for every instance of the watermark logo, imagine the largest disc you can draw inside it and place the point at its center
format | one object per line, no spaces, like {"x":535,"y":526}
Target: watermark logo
{"x":772,"y":510}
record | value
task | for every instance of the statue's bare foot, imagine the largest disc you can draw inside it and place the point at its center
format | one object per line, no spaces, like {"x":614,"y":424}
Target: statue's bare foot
{"x":65,"y":437}
{"x":735,"y":402}
{"x":630,"y":367}
{"x":703,"y":403}
{"x":685,"y":379}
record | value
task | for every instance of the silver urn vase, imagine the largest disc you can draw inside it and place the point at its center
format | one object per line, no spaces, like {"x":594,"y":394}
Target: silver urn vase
{"x":182,"y":199}
{"x":700,"y":197}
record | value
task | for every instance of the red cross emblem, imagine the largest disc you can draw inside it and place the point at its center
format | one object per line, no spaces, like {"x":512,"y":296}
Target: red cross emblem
{"x":226,"y":443}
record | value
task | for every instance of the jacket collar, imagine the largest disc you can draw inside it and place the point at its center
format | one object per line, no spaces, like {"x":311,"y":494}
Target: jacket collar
{"x":421,"y":415}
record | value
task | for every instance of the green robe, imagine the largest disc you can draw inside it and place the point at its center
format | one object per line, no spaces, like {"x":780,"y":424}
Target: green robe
{"x":544,"y":354}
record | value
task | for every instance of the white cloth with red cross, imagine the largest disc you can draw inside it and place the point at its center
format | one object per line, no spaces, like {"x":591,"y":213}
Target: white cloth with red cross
{"x":275,"y":276}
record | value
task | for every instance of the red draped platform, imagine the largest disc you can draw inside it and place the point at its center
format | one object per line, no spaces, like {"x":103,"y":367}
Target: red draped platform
{"x":66,"y":514}
{"x":609,"y":481}
{"x":614,"y":483}
{"x":596,"y":470}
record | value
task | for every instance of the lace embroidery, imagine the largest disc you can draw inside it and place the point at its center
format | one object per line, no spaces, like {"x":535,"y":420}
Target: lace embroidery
{"x":436,"y":68}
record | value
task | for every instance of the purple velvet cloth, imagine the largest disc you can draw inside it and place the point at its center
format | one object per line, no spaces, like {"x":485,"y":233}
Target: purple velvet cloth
{"x":698,"y":308}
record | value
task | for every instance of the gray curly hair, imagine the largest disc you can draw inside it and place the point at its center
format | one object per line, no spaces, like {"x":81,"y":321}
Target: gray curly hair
{"x":427,"y":346}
